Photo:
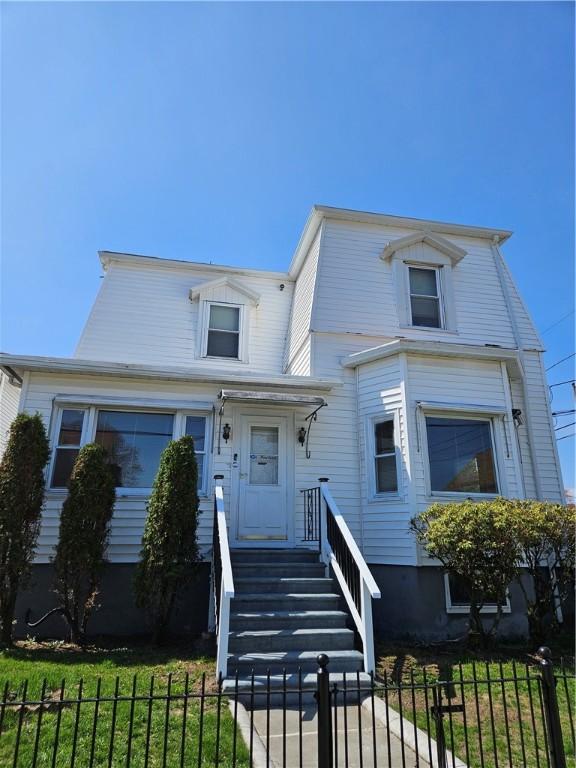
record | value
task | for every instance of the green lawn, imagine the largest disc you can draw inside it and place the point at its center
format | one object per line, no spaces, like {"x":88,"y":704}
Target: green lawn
{"x":514,"y":707}
{"x":103,"y":734}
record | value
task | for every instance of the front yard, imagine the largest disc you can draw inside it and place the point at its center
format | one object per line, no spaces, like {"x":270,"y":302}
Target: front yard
{"x":159,"y":733}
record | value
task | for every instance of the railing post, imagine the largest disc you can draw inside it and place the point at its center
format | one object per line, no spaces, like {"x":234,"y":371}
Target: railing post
{"x":322,"y":521}
{"x":324,"y":713}
{"x":368,"y":630}
{"x":551,"y":712}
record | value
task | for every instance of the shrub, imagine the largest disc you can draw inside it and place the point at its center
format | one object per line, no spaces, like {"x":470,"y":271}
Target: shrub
{"x":169,"y":551}
{"x":21,"y":496}
{"x":476,"y":542}
{"x":84,"y":531}
{"x":547,"y":538}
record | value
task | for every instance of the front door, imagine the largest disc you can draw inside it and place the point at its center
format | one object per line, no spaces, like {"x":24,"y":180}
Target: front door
{"x":262,"y":483}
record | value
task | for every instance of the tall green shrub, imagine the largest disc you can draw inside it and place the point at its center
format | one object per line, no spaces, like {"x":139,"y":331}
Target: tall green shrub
{"x":476,"y":542}
{"x":547,"y":536}
{"x":21,"y":496}
{"x":84,"y":531}
{"x":169,"y":551}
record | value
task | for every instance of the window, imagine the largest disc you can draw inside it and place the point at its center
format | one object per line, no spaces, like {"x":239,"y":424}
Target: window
{"x":195,"y":426}
{"x":223,"y":331}
{"x":69,"y":442}
{"x":458,"y":597}
{"x":425,"y":297}
{"x":385,"y":473}
{"x":461,"y":455}
{"x":134,"y":441}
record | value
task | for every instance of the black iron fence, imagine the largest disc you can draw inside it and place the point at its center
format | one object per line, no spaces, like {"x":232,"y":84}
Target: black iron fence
{"x":482,"y":716}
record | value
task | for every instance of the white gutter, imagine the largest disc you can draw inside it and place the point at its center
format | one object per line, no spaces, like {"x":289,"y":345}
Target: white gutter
{"x":498,"y":260}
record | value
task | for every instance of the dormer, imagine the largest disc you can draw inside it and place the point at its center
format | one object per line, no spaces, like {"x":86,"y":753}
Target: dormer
{"x":225,"y":310}
{"x":422,"y":265}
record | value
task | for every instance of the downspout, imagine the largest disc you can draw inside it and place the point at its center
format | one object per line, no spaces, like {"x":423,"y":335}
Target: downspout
{"x":517,"y":340}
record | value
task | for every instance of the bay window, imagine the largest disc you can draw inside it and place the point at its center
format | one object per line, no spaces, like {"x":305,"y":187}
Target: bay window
{"x":384,"y":456}
{"x":68,"y":442}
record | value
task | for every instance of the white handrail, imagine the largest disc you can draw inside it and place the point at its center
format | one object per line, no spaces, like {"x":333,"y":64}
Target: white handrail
{"x":226,"y":584}
{"x":370,"y":589}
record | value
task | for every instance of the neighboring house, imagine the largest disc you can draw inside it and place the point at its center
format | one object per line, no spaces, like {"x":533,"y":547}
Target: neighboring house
{"x":411,"y":332}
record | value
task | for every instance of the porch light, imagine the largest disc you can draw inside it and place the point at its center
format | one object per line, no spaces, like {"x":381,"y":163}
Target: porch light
{"x":226,"y":429}
{"x":302,"y":435}
{"x":517,"y":417}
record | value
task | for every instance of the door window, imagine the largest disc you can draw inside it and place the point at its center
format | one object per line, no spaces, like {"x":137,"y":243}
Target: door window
{"x":263,"y":455}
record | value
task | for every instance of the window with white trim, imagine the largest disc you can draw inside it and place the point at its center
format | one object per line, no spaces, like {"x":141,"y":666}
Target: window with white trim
{"x":223,"y":332}
{"x":425,"y":297}
{"x":457,"y":595}
{"x":384,"y":448}
{"x":461,"y":455}
{"x":134,"y":440}
{"x":69,"y":441}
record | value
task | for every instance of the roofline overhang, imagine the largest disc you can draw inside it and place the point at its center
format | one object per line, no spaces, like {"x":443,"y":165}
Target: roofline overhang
{"x":438,"y":349}
{"x":68,"y":365}
{"x":109,"y":257}
{"x":321,"y":212}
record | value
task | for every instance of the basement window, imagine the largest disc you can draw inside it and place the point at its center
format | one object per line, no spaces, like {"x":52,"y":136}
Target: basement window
{"x":458,"y":597}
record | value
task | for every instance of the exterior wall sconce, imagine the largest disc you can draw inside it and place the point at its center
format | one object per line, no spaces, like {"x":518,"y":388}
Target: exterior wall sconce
{"x":226,"y":430}
{"x":302,"y":435}
{"x":517,"y":417}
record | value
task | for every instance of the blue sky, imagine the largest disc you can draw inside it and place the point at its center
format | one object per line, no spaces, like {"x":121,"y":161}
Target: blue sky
{"x":206,"y":132}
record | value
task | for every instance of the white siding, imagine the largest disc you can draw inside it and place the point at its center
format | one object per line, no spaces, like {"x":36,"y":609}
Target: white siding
{"x":9,"y":399}
{"x":302,"y":303}
{"x":357,"y":294}
{"x":144,"y":314}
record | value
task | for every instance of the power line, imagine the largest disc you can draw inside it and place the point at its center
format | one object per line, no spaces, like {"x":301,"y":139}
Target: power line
{"x":559,"y":383}
{"x":564,"y":317}
{"x":560,"y":361}
{"x":565,"y":436}
{"x":563,"y":413}
{"x":572,"y":423}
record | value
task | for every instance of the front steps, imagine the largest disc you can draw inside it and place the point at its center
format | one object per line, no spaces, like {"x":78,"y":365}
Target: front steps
{"x":284,"y":613}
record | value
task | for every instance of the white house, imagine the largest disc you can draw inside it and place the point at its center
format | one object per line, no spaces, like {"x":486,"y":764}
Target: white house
{"x":408,"y":341}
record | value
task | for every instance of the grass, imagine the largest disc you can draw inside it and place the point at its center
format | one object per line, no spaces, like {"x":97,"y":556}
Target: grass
{"x":502,"y":722}
{"x":108,"y":733}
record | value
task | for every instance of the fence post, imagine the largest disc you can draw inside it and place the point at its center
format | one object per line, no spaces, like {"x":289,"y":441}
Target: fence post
{"x":551,"y":712}
{"x":439,"y":726}
{"x":324,"y":713}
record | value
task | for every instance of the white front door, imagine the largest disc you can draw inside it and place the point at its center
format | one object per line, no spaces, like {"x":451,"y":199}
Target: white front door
{"x":263,"y":480}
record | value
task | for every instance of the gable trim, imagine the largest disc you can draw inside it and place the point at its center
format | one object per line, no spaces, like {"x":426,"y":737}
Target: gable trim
{"x":252,"y":296}
{"x":454,"y":253}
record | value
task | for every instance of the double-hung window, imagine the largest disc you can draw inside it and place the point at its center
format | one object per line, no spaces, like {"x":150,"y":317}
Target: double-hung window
{"x":223,"y":333}
{"x":133,"y":439}
{"x":461,"y":455}
{"x":425,"y":300}
{"x":385,"y":470}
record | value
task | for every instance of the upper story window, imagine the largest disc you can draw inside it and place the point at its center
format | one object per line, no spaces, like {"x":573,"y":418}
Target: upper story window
{"x":223,"y":335}
{"x":461,"y":455}
{"x":425,"y":298}
{"x":134,"y":440}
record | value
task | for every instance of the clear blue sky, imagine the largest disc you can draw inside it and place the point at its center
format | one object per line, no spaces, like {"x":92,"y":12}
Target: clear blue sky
{"x":206,"y":132}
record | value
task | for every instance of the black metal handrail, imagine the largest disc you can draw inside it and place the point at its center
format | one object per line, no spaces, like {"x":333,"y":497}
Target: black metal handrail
{"x":344,"y":558}
{"x":312,"y":518}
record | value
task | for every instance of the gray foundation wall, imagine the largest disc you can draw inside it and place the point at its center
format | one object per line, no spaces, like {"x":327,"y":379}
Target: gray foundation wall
{"x":118,"y":614}
{"x":413,"y":607}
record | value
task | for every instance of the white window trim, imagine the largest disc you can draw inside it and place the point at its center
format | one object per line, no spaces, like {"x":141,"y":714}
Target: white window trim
{"x":496,"y":454}
{"x":89,"y":435}
{"x":242,"y":331}
{"x":440,"y":296}
{"x":375,"y":496}
{"x":465,"y":609}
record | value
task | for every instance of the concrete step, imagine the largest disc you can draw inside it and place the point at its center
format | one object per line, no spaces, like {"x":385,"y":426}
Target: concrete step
{"x":267,"y":640}
{"x":283,"y":584}
{"x":288,"y":601}
{"x":287,"y":619}
{"x":277,"y":570}
{"x":293,"y":689}
{"x":291,"y":661}
{"x":274,"y":555}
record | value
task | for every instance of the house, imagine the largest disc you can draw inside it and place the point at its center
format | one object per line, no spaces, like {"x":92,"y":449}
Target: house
{"x":394,"y":357}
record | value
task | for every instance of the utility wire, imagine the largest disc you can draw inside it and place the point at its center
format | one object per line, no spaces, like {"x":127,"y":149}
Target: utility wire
{"x":563,"y":413}
{"x":559,"y":383}
{"x":572,"y":423}
{"x":565,"y":436}
{"x":560,"y":361}
{"x":564,"y":317}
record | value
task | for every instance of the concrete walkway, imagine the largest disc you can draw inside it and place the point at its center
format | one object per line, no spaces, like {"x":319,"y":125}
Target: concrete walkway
{"x":359,"y":740}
